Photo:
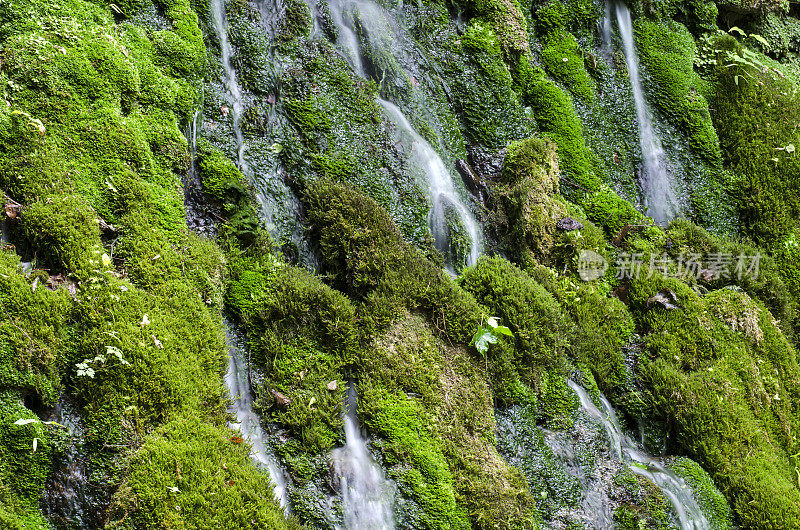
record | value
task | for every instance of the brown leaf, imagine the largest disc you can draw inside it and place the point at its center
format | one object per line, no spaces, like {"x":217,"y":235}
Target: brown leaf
{"x":280,"y":399}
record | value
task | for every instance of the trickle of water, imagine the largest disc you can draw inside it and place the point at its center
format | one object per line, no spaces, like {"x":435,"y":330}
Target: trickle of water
{"x":440,"y":183}
{"x":659,"y":192}
{"x":220,"y":22}
{"x":65,"y":500}
{"x":439,"y":180}
{"x":690,"y":516}
{"x":238,"y":382}
{"x":367,"y":497}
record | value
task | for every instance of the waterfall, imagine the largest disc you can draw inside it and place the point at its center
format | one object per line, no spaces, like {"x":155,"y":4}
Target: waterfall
{"x":238,"y":382}
{"x":367,"y":497}
{"x":660,"y":198}
{"x":440,"y":183}
{"x":674,"y":488}
{"x":220,"y":23}
{"x":442,"y":192}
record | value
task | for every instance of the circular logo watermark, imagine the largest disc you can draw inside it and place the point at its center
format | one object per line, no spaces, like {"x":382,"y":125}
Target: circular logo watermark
{"x":591,"y":265}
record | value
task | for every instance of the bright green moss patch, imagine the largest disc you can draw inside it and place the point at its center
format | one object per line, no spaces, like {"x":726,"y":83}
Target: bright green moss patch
{"x":754,"y":112}
{"x":491,"y":117}
{"x":366,"y":257}
{"x":66,"y":231}
{"x":710,"y":500}
{"x":440,"y":420}
{"x":610,"y":211}
{"x":34,"y":332}
{"x":23,"y":471}
{"x":564,"y":60}
{"x":555,"y":115}
{"x":724,"y":374}
{"x":190,"y":474}
{"x":667,"y":52}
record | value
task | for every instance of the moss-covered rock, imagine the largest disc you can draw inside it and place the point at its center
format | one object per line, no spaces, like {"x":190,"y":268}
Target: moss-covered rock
{"x":191,"y":474}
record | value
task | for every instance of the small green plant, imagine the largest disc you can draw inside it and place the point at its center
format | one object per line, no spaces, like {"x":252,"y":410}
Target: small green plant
{"x":85,"y":370}
{"x":489,"y":333}
{"x":27,"y":421}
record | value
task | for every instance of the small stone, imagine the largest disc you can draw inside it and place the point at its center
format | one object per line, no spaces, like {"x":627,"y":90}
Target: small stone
{"x":568,"y":224}
{"x":333,"y":385}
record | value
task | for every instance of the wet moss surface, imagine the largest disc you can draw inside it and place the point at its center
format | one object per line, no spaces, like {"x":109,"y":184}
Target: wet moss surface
{"x":117,"y":120}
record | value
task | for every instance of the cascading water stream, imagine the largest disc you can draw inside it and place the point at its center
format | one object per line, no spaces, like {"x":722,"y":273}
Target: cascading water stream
{"x":442,"y":192}
{"x":367,"y":497}
{"x":248,"y":422}
{"x":660,"y":197}
{"x":690,"y":516}
{"x":220,"y":22}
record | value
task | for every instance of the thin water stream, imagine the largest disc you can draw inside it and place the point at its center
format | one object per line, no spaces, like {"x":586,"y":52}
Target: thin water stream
{"x":655,"y":179}
{"x":220,"y":22}
{"x":675,"y":489}
{"x":367,"y":496}
{"x":238,"y":382}
{"x":373,"y":25}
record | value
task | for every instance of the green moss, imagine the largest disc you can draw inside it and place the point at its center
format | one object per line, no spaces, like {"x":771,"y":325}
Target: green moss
{"x":667,"y":52}
{"x":564,"y":60}
{"x":524,"y":202}
{"x":34,"y":332}
{"x":358,"y":239}
{"x":435,"y":412}
{"x":610,"y":211}
{"x":752,"y":108}
{"x":66,"y":231}
{"x":555,"y":115}
{"x":710,"y":500}
{"x":719,"y":370}
{"x":190,"y":474}
{"x":491,"y":117}
{"x":338,"y":133}
{"x":523,"y":305}
{"x":507,"y":21}
{"x":227,"y":188}
{"x":24,"y":470}
{"x":296,"y":21}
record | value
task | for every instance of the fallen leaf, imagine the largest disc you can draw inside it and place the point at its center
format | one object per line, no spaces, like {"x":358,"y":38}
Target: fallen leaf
{"x":280,"y":399}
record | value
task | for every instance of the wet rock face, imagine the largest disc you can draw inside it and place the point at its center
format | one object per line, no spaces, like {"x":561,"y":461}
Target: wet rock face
{"x":487,"y":164}
{"x":68,"y":500}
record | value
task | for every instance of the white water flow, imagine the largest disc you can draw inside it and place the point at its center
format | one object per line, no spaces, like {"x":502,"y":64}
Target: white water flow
{"x":442,"y":192}
{"x":440,"y":183}
{"x":674,"y":487}
{"x":660,"y":198}
{"x":248,"y":423}
{"x":220,"y":22}
{"x":367,"y":497}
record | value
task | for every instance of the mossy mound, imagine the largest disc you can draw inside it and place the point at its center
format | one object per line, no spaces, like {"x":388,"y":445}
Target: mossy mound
{"x":718,"y":370}
{"x":191,"y":474}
